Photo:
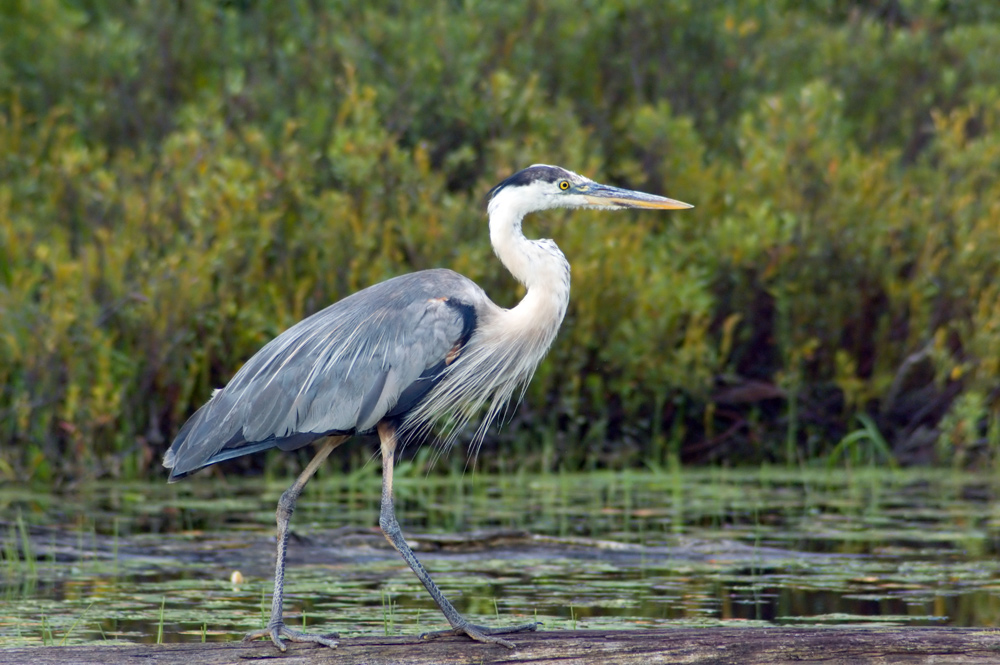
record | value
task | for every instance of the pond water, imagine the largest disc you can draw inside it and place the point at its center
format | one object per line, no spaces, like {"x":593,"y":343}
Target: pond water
{"x":193,"y":561}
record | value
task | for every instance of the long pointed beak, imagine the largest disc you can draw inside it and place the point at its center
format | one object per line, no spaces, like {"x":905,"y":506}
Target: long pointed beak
{"x":605,"y":196}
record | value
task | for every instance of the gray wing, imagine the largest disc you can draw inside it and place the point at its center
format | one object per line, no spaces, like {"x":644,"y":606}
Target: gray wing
{"x":372,"y":355}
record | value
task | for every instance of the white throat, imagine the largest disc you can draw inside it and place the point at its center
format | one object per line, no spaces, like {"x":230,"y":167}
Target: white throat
{"x":538,"y":264}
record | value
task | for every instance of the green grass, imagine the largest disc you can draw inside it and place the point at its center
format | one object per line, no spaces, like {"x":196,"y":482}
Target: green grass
{"x":863,"y":445}
{"x":76,"y":622}
{"x":388,"y":614}
{"x":159,"y":624}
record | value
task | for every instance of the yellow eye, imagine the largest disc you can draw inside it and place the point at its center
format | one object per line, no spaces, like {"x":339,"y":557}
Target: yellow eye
{"x":564,"y":185}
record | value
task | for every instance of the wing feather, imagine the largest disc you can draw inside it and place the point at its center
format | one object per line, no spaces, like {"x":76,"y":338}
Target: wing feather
{"x":339,"y":371}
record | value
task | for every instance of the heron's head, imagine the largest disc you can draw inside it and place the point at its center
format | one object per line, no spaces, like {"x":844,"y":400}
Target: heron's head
{"x":542,"y":187}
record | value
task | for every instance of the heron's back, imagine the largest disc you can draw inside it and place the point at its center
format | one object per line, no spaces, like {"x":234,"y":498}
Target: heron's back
{"x":338,"y":371}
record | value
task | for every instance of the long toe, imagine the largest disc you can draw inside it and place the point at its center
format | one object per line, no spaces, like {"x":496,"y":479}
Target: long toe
{"x":278,"y":633}
{"x":529,"y":627}
{"x":485,"y":633}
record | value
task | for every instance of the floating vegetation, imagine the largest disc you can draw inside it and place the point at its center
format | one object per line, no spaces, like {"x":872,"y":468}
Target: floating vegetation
{"x":600,"y":550}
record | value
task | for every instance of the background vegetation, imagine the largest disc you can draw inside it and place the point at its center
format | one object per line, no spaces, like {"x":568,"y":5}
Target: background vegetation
{"x":180,"y":181}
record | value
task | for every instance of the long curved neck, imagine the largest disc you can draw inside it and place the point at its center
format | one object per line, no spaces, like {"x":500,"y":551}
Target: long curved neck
{"x":508,"y":344}
{"x":538,"y":264}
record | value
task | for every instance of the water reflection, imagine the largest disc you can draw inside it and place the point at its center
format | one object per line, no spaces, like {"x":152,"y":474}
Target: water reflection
{"x":602,"y":550}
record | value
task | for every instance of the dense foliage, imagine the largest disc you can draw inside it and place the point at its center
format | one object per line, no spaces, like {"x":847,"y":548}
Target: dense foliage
{"x":181,"y":181}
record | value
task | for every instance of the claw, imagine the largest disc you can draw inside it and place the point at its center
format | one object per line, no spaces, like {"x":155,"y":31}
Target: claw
{"x":484,"y":633}
{"x":278,"y":631}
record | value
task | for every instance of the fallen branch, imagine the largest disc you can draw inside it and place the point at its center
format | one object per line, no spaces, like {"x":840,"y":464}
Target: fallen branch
{"x":742,"y":646}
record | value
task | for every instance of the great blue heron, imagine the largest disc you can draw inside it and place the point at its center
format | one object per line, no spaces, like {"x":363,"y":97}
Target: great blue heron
{"x":421,"y":348}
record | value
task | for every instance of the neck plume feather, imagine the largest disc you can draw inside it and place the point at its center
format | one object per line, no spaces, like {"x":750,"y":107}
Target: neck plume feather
{"x":508,"y":344}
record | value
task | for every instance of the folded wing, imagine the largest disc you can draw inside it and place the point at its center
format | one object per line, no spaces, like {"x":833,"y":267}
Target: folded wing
{"x":370,"y":356}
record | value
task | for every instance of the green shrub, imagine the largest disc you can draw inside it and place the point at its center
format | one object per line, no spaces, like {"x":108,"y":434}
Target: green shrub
{"x":180,"y":182}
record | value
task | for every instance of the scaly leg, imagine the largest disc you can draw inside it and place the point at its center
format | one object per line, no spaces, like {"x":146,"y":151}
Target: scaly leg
{"x":276,"y":629}
{"x":390,"y":527}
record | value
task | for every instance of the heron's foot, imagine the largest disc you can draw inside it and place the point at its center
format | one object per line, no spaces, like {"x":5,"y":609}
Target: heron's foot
{"x":485,"y":633}
{"x":278,"y":632}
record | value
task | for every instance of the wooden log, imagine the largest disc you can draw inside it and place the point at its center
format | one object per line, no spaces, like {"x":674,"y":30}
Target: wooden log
{"x":702,"y":646}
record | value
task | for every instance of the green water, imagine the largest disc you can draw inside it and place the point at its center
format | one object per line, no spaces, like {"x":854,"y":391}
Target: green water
{"x":149,"y":562}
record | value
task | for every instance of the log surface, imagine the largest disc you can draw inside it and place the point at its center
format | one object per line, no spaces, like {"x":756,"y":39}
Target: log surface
{"x":736,"y":646}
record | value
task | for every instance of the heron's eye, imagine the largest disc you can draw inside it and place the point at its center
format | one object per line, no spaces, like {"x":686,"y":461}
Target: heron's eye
{"x":564,"y":185}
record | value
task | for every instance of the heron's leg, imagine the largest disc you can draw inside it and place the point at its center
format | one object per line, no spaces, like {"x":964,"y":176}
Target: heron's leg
{"x":390,"y":527}
{"x":276,"y":629}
